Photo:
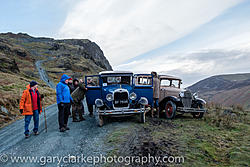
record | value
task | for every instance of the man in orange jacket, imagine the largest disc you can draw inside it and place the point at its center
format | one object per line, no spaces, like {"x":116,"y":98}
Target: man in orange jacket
{"x":30,"y":105}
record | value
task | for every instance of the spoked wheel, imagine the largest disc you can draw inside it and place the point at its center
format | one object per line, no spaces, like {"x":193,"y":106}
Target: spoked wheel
{"x":198,"y":114}
{"x":170,"y":110}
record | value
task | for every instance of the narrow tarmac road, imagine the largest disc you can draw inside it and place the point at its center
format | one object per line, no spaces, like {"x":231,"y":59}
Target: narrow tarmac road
{"x":83,"y":139}
{"x":43,"y":74}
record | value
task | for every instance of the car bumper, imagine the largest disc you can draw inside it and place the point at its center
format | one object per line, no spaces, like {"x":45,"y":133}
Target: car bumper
{"x":190,"y":110}
{"x":121,"y":111}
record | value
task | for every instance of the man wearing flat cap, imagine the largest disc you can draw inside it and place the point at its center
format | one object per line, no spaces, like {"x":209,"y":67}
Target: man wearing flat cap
{"x":30,"y":105}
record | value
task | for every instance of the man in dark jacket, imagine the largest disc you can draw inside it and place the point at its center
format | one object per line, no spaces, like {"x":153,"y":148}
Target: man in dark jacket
{"x":77,"y":106}
{"x":63,"y":101}
{"x":71,"y":86}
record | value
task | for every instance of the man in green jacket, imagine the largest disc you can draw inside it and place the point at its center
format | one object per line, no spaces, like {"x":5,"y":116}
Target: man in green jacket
{"x":78,"y":95}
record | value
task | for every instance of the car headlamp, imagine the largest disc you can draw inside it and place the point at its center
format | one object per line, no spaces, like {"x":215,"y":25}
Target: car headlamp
{"x":109,"y":97}
{"x":132,"y":96}
{"x":181,"y":94}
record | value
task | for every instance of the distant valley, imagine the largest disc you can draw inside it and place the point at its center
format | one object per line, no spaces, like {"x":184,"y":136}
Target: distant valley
{"x":227,"y":90}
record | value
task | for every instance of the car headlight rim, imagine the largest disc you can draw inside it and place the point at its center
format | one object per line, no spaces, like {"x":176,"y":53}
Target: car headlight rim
{"x":181,"y":94}
{"x":99,"y":103}
{"x":109,"y":97}
{"x":133,"y":96}
{"x":143,"y":101}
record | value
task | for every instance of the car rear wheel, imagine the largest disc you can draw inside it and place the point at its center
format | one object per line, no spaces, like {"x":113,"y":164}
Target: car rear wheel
{"x":198,"y":114}
{"x":170,"y":110}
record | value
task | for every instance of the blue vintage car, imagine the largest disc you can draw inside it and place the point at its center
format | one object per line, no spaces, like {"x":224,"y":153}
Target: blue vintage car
{"x":119,"y":93}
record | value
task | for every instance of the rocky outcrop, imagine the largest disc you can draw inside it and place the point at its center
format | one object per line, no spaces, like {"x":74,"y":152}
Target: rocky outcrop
{"x":8,"y":65}
{"x":89,"y":50}
{"x":80,"y":50}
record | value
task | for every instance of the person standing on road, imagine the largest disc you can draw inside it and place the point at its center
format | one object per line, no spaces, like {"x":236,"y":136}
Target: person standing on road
{"x":156,"y":94}
{"x":71,"y":88}
{"x":77,"y":106}
{"x":90,"y":107}
{"x":30,"y":105}
{"x":63,"y":102}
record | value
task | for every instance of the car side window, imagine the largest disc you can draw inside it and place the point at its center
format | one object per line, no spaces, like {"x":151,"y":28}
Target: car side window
{"x":92,"y":81}
{"x":175,"y":83}
{"x":165,"y":82}
{"x":143,"y":80}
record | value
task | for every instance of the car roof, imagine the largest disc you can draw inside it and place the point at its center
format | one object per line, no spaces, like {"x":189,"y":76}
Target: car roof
{"x":169,"y":77}
{"x":116,"y":73}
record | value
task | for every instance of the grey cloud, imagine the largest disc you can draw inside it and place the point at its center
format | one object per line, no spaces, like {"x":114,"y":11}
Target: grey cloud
{"x":223,"y":62}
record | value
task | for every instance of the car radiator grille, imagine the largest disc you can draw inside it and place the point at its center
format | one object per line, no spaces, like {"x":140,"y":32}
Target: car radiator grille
{"x":187,"y":99}
{"x":121,"y":99}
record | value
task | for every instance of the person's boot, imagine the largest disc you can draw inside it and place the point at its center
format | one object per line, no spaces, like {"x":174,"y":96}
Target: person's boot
{"x":157,"y":113}
{"x":74,"y":117}
{"x":75,"y":120}
{"x":62,"y":129}
{"x":66,"y":127}
{"x":82,"y":119}
{"x":27,"y":136}
{"x":36,"y":133}
{"x":91,"y":114}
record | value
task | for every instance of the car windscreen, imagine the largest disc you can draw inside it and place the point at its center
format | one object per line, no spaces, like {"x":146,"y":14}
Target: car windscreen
{"x":110,"y":80}
{"x":170,"y":82}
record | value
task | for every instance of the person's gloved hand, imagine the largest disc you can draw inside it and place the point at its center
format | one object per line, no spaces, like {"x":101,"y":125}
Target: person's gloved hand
{"x":21,"y":111}
{"x":42,"y":96}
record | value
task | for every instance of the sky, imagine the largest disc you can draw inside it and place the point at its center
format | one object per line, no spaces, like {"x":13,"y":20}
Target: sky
{"x":190,"y":39}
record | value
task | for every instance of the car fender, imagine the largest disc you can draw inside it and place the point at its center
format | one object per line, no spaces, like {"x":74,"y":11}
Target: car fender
{"x":199,"y":100}
{"x":169,"y":98}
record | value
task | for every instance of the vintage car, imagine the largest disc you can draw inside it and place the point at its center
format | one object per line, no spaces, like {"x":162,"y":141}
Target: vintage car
{"x":174,"y":99}
{"x":119,"y":93}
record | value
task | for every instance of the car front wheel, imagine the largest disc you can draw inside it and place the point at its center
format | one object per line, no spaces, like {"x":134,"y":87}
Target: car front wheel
{"x":198,"y":114}
{"x":170,"y":110}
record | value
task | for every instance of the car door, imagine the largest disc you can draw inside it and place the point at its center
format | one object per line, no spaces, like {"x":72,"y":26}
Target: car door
{"x":143,"y":86}
{"x":93,"y":84}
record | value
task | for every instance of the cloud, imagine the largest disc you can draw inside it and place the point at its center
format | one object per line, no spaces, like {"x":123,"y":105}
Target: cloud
{"x":126,"y":29}
{"x":193,"y":66}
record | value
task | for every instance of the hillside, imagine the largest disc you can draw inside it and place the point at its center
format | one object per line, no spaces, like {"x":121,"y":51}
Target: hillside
{"x":18,"y":54}
{"x":72,"y":56}
{"x":231,"y":89}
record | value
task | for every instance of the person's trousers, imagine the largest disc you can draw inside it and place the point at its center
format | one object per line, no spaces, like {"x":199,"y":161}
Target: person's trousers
{"x":83,"y":111}
{"x":27,"y":120}
{"x":90,"y":108}
{"x":63,"y":114}
{"x":77,"y":109}
{"x":155,"y":103}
